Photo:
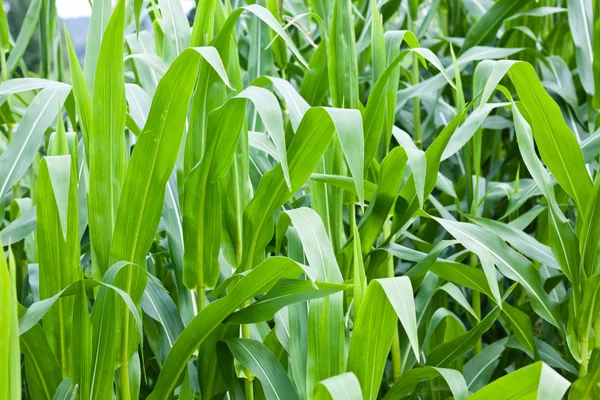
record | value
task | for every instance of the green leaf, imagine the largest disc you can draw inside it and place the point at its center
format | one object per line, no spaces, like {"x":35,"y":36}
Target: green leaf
{"x":446,"y":352}
{"x":403,"y":213}
{"x":137,"y":10}
{"x":258,"y":280}
{"x":203,"y":28}
{"x":346,"y":183}
{"x":266,"y":105}
{"x":65,"y":391}
{"x":176,"y":28}
{"x":590,"y":233}
{"x":81,"y":350}
{"x":10,"y":356}
{"x":268,"y":19}
{"x":27,"y":29}
{"x":521,"y":326}
{"x":107,"y":147}
{"x":589,"y":306}
{"x":349,"y":129}
{"x":512,"y":264}
{"x":101,"y":14}
{"x":486,"y":28}
{"x":105,"y":322}
{"x":466,"y":131}
{"x":581,"y":23}
{"x":583,"y":387}
{"x":325,"y":353}
{"x":340,"y":387}
{"x":378,"y":53}
{"x":154,"y":157}
{"x":537,"y":380}
{"x":284,"y":293}
{"x":80,"y":92}
{"x":159,"y":306}
{"x":596,"y":55}
{"x":416,"y":159}
{"x":523,"y":242}
{"x":459,"y":297}
{"x":58,"y":235}
{"x":462,"y":275}
{"x":385,"y":300}
{"x":19,"y":228}
{"x":556,"y":143}
{"x":563,"y":241}
{"x":296,"y":105}
{"x":4,"y":34}
{"x":315,"y":84}
{"x":20,"y":85}
{"x":342,"y":62}
{"x":409,"y":381}
{"x":479,"y":369}
{"x":392,"y":172}
{"x":359,"y":275}
{"x":304,"y":152}
{"x":21,"y":151}
{"x":263,"y":364}
{"x":41,"y":367}
{"x":40,"y":308}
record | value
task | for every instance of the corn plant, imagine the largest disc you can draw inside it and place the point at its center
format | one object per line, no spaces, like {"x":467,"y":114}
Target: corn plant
{"x":324,"y":199}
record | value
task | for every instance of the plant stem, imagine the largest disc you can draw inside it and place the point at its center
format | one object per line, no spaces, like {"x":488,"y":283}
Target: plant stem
{"x":416,"y":100}
{"x":583,"y":351}
{"x":351,"y":218}
{"x":201,"y":299}
{"x":249,"y":382}
{"x":249,"y":389}
{"x":477,"y":308}
{"x":476,"y":300}
{"x":124,"y":371}
{"x":3,"y":66}
{"x":597,"y":332}
{"x":396,"y":357}
{"x":4,"y":78}
{"x":396,"y":354}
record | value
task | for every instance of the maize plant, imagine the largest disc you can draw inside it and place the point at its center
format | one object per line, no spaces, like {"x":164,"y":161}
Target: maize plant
{"x":302,"y":199}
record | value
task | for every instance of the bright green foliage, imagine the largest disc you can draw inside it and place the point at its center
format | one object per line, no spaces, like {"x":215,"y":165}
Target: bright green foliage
{"x":302,"y":199}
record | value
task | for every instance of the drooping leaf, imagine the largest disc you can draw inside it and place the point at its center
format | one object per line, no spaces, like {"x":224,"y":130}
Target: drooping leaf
{"x":258,"y":359}
{"x":538,"y":379}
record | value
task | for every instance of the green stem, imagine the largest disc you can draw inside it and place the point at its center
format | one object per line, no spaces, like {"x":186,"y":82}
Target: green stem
{"x":249,"y":389}
{"x":396,"y":357}
{"x":3,"y":66}
{"x":476,"y":300}
{"x":201,"y":298}
{"x":249,"y":382}
{"x":396,"y":354}
{"x":583,"y":351}
{"x":477,"y":308}
{"x":4,"y":78}
{"x":352,"y":218}
{"x":125,"y":383}
{"x":124,"y":377}
{"x":597,"y":332}
{"x":124,"y":370}
{"x":416,"y":99}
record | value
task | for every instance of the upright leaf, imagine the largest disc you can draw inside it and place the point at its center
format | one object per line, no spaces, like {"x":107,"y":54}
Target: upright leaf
{"x":58,"y":234}
{"x":107,"y":147}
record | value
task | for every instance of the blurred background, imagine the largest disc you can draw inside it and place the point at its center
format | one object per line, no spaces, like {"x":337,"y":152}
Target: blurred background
{"x":74,"y":15}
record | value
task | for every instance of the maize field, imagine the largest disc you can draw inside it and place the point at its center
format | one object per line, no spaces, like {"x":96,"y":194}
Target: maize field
{"x":301,"y":199}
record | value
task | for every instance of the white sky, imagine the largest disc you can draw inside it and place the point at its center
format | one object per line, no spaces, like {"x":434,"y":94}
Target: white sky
{"x":73,"y":8}
{"x":81,"y":8}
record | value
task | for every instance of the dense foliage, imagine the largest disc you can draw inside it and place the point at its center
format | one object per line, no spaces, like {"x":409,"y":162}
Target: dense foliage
{"x":302,"y":199}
